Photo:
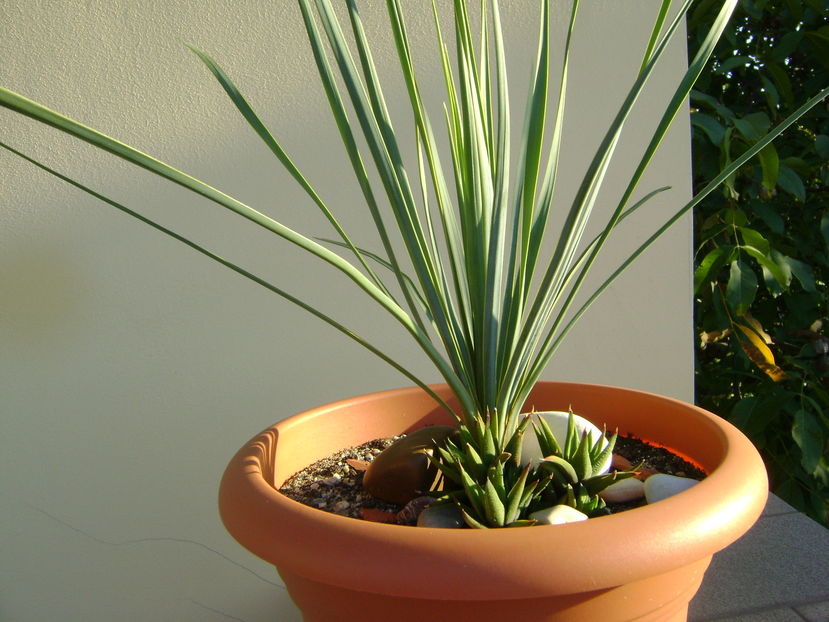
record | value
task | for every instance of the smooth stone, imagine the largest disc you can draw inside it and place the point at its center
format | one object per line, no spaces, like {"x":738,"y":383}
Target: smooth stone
{"x":341,"y":506}
{"x":623,"y":491}
{"x":403,"y":470}
{"x":661,"y":486}
{"x":446,"y":516}
{"x":620,"y":463}
{"x":557,"y":420}
{"x":558,"y":515}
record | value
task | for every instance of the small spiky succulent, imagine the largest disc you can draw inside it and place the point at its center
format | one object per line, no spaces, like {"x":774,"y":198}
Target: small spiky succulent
{"x":577,"y":470}
{"x":491,"y":487}
{"x":495,"y":488}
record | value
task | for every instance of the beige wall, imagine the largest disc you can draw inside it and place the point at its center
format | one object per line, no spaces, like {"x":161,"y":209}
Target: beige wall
{"x":132,"y":368}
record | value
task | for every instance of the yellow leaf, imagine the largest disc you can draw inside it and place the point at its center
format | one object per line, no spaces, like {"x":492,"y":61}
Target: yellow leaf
{"x":714,"y":336}
{"x":758,"y":328}
{"x":760,"y":354}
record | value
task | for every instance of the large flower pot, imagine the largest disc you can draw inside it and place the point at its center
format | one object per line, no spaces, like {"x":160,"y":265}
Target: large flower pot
{"x":643,"y":564}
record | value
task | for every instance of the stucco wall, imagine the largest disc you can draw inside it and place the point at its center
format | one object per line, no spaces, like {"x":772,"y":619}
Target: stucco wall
{"x":132,"y":368}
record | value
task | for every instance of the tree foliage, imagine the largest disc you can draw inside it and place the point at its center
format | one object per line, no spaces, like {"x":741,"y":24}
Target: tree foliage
{"x":762,"y":244}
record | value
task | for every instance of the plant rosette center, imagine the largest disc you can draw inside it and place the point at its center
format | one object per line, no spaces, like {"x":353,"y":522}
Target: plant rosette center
{"x":557,"y":421}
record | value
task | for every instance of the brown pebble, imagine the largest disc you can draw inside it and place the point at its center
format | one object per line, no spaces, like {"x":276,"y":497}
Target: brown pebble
{"x":357,"y":465}
{"x":404,"y":471}
{"x":620,"y":463}
{"x":378,"y":516}
{"x":410,"y":513}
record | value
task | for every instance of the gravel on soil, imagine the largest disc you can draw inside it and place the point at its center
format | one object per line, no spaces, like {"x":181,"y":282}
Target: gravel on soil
{"x":333,"y":485}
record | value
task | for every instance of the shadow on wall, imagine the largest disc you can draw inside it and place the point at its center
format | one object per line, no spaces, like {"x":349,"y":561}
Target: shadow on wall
{"x":41,"y":294}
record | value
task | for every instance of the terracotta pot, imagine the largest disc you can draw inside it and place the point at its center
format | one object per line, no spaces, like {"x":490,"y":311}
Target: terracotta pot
{"x":644,"y":564}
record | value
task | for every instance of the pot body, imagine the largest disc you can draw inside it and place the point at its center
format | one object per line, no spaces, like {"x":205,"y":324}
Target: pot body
{"x":643,"y":564}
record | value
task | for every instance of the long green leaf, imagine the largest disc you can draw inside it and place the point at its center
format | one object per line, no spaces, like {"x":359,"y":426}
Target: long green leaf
{"x":552,"y":285}
{"x":708,"y":189}
{"x":239,"y":270}
{"x":657,"y":28}
{"x":27,"y":107}
{"x":677,"y":101}
{"x":264,"y":133}
{"x":454,"y":333}
{"x":350,"y":144}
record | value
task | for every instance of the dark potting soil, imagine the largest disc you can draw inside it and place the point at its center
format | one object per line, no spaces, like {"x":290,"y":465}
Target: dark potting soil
{"x":652,"y":458}
{"x":334,"y":485}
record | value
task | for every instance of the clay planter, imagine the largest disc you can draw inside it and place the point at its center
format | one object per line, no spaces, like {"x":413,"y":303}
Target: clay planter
{"x":644,"y":564}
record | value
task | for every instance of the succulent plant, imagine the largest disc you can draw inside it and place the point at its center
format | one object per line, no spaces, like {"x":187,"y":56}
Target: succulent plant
{"x":484,"y":475}
{"x":576,"y":469}
{"x":494,"y":488}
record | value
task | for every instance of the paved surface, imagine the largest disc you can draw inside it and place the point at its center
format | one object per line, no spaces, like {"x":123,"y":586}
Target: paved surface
{"x":777,"y":572}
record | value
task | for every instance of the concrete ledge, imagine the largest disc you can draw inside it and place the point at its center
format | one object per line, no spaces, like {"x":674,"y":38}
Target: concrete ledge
{"x":777,"y":572}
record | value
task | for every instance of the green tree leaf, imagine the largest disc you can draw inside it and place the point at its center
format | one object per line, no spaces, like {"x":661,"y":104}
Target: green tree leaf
{"x":768,"y":265}
{"x":755,"y":239}
{"x":786,"y":41}
{"x":769,"y":216}
{"x":732,"y":63}
{"x":803,"y":273}
{"x":747,"y":130}
{"x":773,"y":284}
{"x":759,"y":249}
{"x":708,"y":124}
{"x":711,"y":264}
{"x":808,"y":435}
{"x":735,"y":217}
{"x":781,"y":260}
{"x":822,"y":146}
{"x":770,"y":165}
{"x":711,"y":102}
{"x":771,"y":93}
{"x":796,"y":8}
{"x":819,"y":41}
{"x":781,"y":81}
{"x":791,"y":182}
{"x":742,"y":287}
{"x":743,"y":411}
{"x":788,"y":44}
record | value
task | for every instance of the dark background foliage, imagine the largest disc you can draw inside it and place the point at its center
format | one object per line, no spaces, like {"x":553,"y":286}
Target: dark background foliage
{"x":762,"y":244}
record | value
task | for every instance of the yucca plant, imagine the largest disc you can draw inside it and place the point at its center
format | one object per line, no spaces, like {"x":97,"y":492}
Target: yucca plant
{"x":482,"y":300}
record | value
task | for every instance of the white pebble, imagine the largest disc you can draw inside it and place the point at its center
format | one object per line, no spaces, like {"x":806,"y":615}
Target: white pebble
{"x":662,"y":486}
{"x":558,"y":515}
{"x":341,"y":506}
{"x":623,"y":491}
{"x":446,"y":516}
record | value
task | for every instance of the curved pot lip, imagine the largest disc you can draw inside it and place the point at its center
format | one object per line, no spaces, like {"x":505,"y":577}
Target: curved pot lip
{"x":649,"y":540}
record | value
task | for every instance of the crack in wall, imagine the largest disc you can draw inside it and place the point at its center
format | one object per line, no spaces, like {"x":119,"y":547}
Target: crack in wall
{"x":157,"y":539}
{"x":221,"y":613}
